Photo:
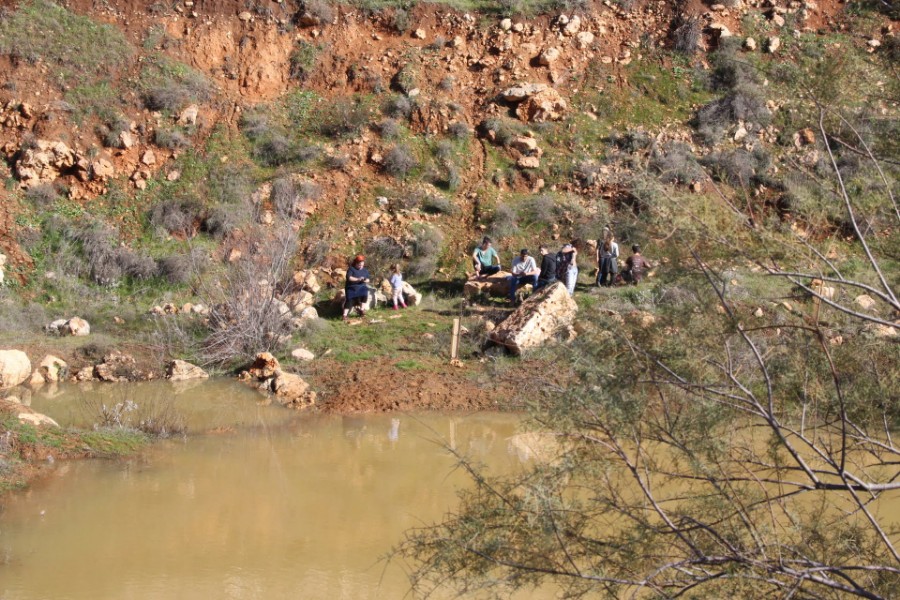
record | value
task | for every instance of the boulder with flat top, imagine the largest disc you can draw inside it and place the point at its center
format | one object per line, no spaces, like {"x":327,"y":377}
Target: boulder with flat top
{"x":15,"y":368}
{"x":496,"y":285}
{"x":538,"y":320}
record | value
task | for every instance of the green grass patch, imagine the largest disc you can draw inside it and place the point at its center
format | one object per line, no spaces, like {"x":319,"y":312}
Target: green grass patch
{"x":79,"y":46}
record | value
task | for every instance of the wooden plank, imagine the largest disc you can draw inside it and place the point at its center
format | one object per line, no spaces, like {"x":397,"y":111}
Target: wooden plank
{"x":454,"y":340}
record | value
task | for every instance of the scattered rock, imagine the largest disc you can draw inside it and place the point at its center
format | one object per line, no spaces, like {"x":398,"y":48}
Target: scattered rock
{"x":773,"y":44}
{"x":302,"y":354}
{"x":537,"y":320}
{"x":292,"y":391}
{"x":547,"y":105}
{"x":189,"y":115}
{"x":44,"y":162}
{"x":548,"y":56}
{"x":865,"y":302}
{"x":78,"y":327}
{"x":750,"y":44}
{"x":506,"y":24}
{"x":245,"y":16}
{"x":15,"y":368}
{"x":419,"y":34}
{"x":148,"y":158}
{"x":529,"y":162}
{"x":264,"y":366}
{"x":35,"y":418}
{"x":180,"y":370}
{"x":521,"y":92}
{"x":117,"y":367}
{"x":584,"y":39}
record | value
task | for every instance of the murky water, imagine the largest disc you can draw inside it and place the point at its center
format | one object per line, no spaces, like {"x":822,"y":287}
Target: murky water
{"x":271,"y":504}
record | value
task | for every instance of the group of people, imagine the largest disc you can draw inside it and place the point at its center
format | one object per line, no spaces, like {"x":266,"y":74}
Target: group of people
{"x":555,"y":266}
{"x":560,"y":266}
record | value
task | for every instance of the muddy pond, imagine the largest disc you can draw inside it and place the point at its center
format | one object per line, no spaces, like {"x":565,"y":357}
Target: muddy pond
{"x":256,"y":502}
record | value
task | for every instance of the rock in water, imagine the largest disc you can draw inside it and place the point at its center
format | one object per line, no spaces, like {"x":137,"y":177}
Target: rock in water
{"x":264,"y":366}
{"x":180,"y":370}
{"x":291,"y":390}
{"x":15,"y":368}
{"x":53,"y":368}
{"x":539,"y":318}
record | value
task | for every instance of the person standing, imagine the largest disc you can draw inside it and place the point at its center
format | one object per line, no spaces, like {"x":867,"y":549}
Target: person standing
{"x":567,"y":267}
{"x":356,"y":288}
{"x":636,"y":266}
{"x":548,"y":268}
{"x":524,"y":271}
{"x":607,"y":262}
{"x":397,"y":286}
{"x":484,"y":258}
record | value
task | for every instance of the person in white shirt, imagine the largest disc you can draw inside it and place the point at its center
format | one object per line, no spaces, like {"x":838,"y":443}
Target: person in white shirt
{"x":524,"y":270}
{"x":397,"y":286}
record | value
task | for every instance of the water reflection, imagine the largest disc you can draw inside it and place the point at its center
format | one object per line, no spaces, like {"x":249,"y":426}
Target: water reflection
{"x":294,"y":506}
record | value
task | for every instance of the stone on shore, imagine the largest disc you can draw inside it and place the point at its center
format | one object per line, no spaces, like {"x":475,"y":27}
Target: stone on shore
{"x":180,"y":370}
{"x":15,"y":368}
{"x":52,"y":369}
{"x":537,"y":320}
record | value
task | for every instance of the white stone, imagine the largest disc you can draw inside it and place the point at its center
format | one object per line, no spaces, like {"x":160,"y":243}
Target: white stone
{"x":15,"y":368}
{"x":180,"y":370}
{"x":52,"y":368}
{"x":865,"y":301}
{"x":302,"y":354}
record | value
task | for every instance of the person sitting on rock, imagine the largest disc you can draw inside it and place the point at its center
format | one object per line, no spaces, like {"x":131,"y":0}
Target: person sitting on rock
{"x":484,"y":257}
{"x":635,"y":266}
{"x":524,"y":270}
{"x":548,"y":268}
{"x":356,"y":289}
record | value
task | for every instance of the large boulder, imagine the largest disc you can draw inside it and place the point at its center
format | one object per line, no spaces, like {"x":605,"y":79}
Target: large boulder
{"x":497,"y":285}
{"x":307,"y":280}
{"x":15,"y":368}
{"x":52,"y":369}
{"x":43,"y":162}
{"x":78,"y":327}
{"x":180,"y":370}
{"x":537,"y":320}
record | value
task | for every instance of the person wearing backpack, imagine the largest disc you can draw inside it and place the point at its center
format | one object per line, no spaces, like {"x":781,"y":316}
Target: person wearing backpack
{"x":567,"y":267}
{"x":548,"y":268}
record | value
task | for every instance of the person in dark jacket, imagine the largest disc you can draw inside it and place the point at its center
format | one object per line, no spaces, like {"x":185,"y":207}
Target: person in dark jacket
{"x":548,"y":268}
{"x":356,"y":289}
{"x":636,"y":266}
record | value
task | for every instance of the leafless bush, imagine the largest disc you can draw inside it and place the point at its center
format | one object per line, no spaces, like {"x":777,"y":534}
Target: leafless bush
{"x":426,"y":250}
{"x":443,"y":150}
{"x":746,"y":103}
{"x":229,"y":183}
{"x":500,"y":131}
{"x":246,"y":317}
{"x":337,"y":161}
{"x":222,"y":219}
{"x":438,"y":44}
{"x":284,"y":197}
{"x":107,"y":261}
{"x":459,"y":130}
{"x":687,"y":35}
{"x":738,"y":167}
{"x":179,"y":269}
{"x":505,"y":221}
{"x":343,"y":118}
{"x":435,"y":203}
{"x":171,"y":91}
{"x":399,"y":161}
{"x":631,"y":141}
{"x":389,"y":129}
{"x":178,"y":216}
{"x":446,"y":84}
{"x":676,"y":163}
{"x":320,"y":10}
{"x":111,"y":131}
{"x":382,"y":252}
{"x":397,"y":107}
{"x":42,"y":196}
{"x":171,"y":139}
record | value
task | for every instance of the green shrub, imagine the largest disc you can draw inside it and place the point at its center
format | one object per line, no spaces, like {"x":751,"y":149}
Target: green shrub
{"x":344,"y":117}
{"x":303,"y":60}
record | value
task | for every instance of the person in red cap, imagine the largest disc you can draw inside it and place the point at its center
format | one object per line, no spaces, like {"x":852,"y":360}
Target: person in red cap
{"x":356,"y":289}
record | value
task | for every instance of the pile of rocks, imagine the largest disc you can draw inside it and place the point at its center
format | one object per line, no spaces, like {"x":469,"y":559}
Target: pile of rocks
{"x":266,"y":375}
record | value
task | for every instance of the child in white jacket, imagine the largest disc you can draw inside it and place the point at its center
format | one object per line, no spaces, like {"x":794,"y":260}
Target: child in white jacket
{"x":397,"y":287}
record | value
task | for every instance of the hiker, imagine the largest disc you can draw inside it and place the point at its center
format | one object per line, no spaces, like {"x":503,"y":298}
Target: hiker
{"x":607,"y":262}
{"x":483,"y":258}
{"x":548,"y":268}
{"x":397,"y":286}
{"x":635,"y":266}
{"x":356,"y":289}
{"x":567,"y":267}
{"x":524,"y":270}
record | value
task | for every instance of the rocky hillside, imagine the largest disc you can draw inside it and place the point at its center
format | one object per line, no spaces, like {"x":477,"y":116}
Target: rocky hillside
{"x":151,"y":149}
